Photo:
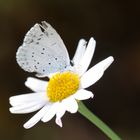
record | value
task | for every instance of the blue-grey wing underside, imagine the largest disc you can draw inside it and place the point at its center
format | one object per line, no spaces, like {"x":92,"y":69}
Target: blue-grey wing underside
{"x":43,"y":51}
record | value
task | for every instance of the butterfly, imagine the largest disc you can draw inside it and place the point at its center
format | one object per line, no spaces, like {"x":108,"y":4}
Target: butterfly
{"x":43,"y":51}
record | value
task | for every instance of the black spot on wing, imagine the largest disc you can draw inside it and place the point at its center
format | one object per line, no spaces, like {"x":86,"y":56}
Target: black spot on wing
{"x":39,"y":38}
{"x":53,"y":44}
{"x":35,"y":67}
{"x":71,"y":63}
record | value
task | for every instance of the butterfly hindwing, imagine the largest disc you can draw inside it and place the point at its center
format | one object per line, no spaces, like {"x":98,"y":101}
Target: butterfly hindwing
{"x":42,"y":51}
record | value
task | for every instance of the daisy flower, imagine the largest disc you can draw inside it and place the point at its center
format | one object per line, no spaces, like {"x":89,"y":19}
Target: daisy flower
{"x":63,"y":91}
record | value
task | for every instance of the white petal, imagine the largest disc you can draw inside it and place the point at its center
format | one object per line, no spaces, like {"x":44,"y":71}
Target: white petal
{"x":59,"y":114}
{"x":36,"y":84}
{"x":83,"y":94}
{"x":96,"y":72}
{"x":37,"y":117}
{"x":79,"y":51}
{"x":26,"y":98}
{"x":85,"y":61}
{"x":27,"y":108}
{"x":70,"y":104}
{"x":58,"y":121}
{"x":50,"y":113}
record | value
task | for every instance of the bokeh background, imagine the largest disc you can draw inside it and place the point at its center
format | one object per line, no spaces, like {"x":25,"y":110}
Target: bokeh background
{"x":115,"y":24}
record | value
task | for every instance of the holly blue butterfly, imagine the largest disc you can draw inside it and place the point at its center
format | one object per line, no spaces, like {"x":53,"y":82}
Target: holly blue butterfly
{"x":42,"y":51}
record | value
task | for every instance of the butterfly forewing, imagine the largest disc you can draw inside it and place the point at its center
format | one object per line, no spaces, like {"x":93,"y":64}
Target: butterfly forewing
{"x":43,"y":51}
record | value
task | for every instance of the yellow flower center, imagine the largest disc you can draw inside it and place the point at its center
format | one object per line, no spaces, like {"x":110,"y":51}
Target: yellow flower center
{"x":62,"y":85}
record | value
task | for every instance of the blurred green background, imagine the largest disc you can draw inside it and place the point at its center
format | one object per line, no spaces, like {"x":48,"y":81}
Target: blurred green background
{"x":115,"y":24}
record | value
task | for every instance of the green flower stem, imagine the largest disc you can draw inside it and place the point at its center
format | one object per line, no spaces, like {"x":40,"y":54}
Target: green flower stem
{"x":96,"y":121}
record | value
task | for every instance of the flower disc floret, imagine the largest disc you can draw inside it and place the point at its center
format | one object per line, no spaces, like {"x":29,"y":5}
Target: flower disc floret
{"x":62,"y":85}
